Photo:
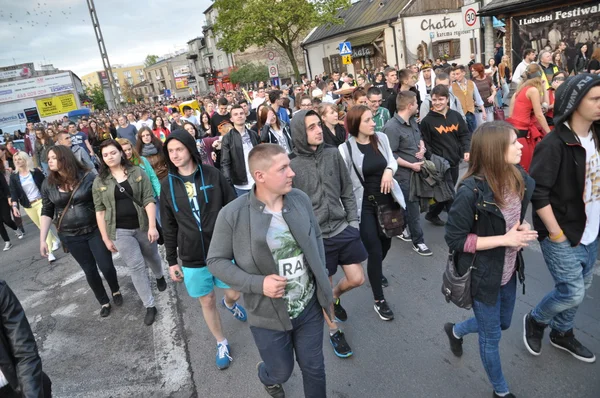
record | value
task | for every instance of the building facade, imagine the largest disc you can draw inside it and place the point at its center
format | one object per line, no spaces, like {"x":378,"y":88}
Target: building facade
{"x":169,"y":77}
{"x":273,"y":54}
{"x":196,"y":62}
{"x":125,"y":78}
{"x":217,"y":63}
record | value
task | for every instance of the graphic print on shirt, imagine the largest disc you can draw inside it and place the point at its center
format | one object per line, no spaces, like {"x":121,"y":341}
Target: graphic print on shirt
{"x":291,"y":264}
{"x":190,"y":189}
{"x":447,"y":129}
{"x":592,"y":179}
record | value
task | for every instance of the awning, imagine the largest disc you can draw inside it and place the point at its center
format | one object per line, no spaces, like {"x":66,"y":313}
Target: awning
{"x":504,"y":7}
{"x":367,"y":38}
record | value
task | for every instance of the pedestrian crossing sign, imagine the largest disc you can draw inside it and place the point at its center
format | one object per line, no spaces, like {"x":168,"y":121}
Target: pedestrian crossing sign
{"x":345,"y":48}
{"x":347,"y":59}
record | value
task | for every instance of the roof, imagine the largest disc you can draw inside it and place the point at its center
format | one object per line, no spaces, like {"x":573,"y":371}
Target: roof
{"x":361,"y":15}
{"x":502,"y":7}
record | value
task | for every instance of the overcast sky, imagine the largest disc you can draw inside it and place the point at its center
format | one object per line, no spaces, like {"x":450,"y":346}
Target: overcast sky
{"x":59,"y":32}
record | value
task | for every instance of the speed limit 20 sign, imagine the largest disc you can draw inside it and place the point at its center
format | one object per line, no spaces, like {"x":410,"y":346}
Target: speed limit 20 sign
{"x":470,"y":18}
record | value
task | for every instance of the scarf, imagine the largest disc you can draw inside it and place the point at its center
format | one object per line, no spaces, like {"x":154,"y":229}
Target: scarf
{"x":149,"y":150}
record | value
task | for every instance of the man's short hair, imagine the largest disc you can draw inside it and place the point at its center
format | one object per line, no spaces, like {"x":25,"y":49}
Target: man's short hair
{"x":175,"y":110}
{"x":243,"y":101}
{"x":274,"y":95}
{"x":237,"y":106}
{"x":261,"y":156}
{"x":440,"y":91}
{"x":528,"y":51}
{"x":441,"y":76}
{"x":187,"y":108}
{"x":388,"y":70}
{"x":335,"y":71}
{"x":404,"y":74}
{"x":223,"y":101}
{"x":404,"y":99}
{"x":60,"y":134}
{"x":460,"y":68}
{"x":72,"y":124}
{"x":373,"y":91}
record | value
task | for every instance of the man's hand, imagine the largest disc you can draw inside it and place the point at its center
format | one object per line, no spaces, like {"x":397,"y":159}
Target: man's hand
{"x":274,"y":286}
{"x":466,"y":156}
{"x":176,"y":273}
{"x":16,"y":212}
{"x":416,"y":167}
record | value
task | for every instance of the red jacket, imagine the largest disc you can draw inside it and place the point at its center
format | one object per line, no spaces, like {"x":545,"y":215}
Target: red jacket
{"x":28,"y":145}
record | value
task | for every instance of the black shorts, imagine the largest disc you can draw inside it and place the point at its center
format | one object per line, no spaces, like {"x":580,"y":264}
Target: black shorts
{"x":343,"y":249}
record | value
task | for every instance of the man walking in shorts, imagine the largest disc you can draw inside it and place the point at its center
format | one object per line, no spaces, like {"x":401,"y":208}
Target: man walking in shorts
{"x":322,"y":174}
{"x":191,"y":197}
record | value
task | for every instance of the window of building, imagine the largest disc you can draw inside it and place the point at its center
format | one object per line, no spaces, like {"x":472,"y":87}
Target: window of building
{"x":127,"y":73}
{"x":115,"y":76}
{"x":220,"y":62}
{"x":130,"y":81}
{"x":139,"y":72}
{"x":449,"y":49}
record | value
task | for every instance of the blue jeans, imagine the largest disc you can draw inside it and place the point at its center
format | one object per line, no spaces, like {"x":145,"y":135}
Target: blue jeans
{"x":471,"y":122}
{"x":412,"y":214}
{"x":276,"y":348}
{"x":572,"y":269}
{"x":488,"y":322}
{"x":240,"y":192}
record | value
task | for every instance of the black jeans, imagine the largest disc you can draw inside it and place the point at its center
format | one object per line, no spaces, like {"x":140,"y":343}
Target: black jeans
{"x":412,"y":214}
{"x":89,"y":250}
{"x":9,"y":392}
{"x":377,"y":246}
{"x":5,"y":218}
{"x":451,"y":178}
{"x":276,"y":348}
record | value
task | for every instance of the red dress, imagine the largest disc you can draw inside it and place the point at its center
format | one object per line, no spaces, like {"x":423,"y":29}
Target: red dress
{"x":523,"y":119}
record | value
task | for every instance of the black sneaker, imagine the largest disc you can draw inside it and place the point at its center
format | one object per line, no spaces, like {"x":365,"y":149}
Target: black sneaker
{"x":566,"y":341}
{"x":509,"y":395}
{"x":118,"y":299}
{"x":105,"y":310}
{"x":384,"y":281}
{"x":455,"y":344}
{"x":276,"y":390}
{"x":533,"y":332}
{"x":405,"y":235}
{"x":150,"y":315}
{"x":161,"y":284}
{"x":435,"y":220}
{"x":422,"y":249}
{"x":383,"y":310}
{"x":340,"y":312}
{"x":340,"y":346}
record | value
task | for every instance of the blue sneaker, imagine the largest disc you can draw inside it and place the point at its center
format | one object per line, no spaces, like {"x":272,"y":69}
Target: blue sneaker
{"x":223,"y":357}
{"x":238,"y":311}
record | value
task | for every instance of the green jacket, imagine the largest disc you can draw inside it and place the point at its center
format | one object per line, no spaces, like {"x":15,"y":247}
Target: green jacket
{"x":103,"y":191}
{"x":145,"y":165}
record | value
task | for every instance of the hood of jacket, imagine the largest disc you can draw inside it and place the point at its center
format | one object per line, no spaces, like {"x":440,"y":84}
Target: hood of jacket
{"x":186,"y":139}
{"x":299,"y":138}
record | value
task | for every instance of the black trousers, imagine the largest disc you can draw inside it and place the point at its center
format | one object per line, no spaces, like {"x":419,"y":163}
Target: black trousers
{"x":377,"y":246}
{"x":9,"y":392}
{"x":5,"y":218}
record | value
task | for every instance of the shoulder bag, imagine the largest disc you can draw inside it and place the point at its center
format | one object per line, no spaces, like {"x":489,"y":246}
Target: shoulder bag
{"x":390,"y":217}
{"x":62,"y":215}
{"x":160,"y":239}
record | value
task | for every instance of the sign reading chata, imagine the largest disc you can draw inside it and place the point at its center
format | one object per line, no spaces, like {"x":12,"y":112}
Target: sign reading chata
{"x":56,"y":105}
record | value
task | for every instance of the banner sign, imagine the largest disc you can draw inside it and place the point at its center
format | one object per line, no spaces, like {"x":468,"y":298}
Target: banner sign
{"x":35,"y":87}
{"x":573,"y":25}
{"x":181,"y":82}
{"x":16,"y":71}
{"x":56,"y":105}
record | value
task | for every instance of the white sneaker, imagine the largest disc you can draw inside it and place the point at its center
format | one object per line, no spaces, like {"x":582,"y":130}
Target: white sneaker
{"x":7,"y":246}
{"x":55,"y":245}
{"x":405,"y":235}
{"x":51,"y":258}
{"x":19,"y":234}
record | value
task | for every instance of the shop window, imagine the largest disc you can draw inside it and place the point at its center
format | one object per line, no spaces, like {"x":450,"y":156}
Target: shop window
{"x":326,"y":66}
{"x":336,"y":64}
{"x":449,"y":49}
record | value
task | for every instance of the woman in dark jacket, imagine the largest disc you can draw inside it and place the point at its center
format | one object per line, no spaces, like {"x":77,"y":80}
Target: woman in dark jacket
{"x":70,"y":181}
{"x":486,"y":230}
{"x":580,"y":65}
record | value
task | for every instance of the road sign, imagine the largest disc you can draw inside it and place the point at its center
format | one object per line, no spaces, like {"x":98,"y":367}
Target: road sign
{"x":271,"y":55}
{"x":167,"y":92}
{"x":347,"y":59}
{"x":275,"y":81}
{"x":345,"y":48}
{"x":470,"y":18}
{"x":273,"y":71}
{"x":431,"y":35}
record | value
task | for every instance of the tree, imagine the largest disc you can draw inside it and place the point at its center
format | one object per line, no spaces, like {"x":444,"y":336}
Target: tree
{"x":96,"y":95}
{"x":128,"y":94}
{"x":150,"y":60}
{"x":241,"y":24}
{"x":249,"y":73}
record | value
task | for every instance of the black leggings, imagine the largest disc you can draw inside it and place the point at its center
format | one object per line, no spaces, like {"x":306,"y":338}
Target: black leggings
{"x":5,"y":218}
{"x":376,"y":246}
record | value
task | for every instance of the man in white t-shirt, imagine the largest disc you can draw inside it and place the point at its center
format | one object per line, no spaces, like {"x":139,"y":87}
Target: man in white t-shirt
{"x":528,"y":57}
{"x":566,"y":200}
{"x":259,"y":98}
{"x":145,"y":121}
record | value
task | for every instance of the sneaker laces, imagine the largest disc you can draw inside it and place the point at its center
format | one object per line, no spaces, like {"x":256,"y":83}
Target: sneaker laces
{"x":223,"y":352}
{"x":422,"y":246}
{"x":237,"y":312}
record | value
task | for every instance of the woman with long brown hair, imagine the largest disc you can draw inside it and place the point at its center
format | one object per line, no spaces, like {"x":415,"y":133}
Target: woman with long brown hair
{"x":486,"y":230}
{"x":594,"y":65}
{"x":68,"y":202}
{"x":149,"y":146}
{"x":487,"y":90}
{"x":368,"y":152}
{"x":526,"y":113}
{"x":42,"y":144}
{"x":505,"y":74}
{"x":273,"y":130}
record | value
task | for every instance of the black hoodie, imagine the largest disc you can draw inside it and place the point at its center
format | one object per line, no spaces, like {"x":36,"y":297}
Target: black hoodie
{"x":446,"y":136}
{"x":180,"y":228}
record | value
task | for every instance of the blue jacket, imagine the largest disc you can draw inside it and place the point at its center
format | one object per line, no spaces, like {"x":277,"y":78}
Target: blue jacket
{"x":145,"y":165}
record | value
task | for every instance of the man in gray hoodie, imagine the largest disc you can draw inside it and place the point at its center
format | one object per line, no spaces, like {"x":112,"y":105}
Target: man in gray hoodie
{"x":278,"y":263}
{"x":322,"y":174}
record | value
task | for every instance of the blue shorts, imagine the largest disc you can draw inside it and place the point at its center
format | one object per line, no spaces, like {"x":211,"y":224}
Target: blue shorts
{"x":199,"y":282}
{"x":344,"y":249}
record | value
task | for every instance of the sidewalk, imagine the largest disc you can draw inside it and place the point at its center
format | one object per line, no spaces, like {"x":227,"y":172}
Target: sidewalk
{"x":89,"y":356}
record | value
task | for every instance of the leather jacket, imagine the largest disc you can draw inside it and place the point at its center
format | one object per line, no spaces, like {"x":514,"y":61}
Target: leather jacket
{"x":233,"y":163}
{"x":80,"y":217}
{"x":20,"y":361}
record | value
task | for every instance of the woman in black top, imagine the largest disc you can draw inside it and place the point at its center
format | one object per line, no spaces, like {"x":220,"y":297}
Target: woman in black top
{"x":5,"y":211}
{"x":77,"y":228}
{"x":333,"y":132}
{"x":581,"y":61}
{"x":369,"y":154}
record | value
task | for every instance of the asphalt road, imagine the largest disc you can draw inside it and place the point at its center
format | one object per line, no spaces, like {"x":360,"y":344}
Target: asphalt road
{"x":119,"y":356}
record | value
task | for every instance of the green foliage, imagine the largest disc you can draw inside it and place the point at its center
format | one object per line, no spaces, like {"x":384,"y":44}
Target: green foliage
{"x":249,"y":73}
{"x":96,"y":95}
{"x":241,"y":24}
{"x":150,"y":60}
{"x":128,"y":94}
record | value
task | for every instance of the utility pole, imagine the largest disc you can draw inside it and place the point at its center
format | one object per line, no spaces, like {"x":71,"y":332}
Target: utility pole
{"x":114,"y":101}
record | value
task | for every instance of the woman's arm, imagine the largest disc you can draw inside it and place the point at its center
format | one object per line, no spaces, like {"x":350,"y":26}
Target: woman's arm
{"x":534,"y":96}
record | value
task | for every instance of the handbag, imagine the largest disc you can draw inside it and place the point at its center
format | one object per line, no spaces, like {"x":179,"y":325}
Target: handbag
{"x":160,"y":240}
{"x":456,"y":288}
{"x":498,"y":113}
{"x":60,"y":219}
{"x":390,"y":217}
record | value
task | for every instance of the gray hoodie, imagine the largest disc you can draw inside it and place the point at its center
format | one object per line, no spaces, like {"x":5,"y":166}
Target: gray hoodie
{"x":323,"y":176}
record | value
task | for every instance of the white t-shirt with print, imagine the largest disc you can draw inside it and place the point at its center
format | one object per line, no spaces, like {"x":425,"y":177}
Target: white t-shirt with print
{"x":592,"y":189}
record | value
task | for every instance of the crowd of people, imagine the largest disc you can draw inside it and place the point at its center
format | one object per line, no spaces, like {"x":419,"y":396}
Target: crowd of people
{"x":267,"y":193}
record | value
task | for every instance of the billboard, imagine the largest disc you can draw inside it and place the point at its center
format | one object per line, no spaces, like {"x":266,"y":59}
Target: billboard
{"x":35,"y":87}
{"x":16,"y":71}
{"x":181,"y":82}
{"x":56,"y":105}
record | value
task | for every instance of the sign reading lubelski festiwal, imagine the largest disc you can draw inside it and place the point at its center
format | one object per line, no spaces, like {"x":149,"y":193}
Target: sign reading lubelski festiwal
{"x":573,"y":25}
